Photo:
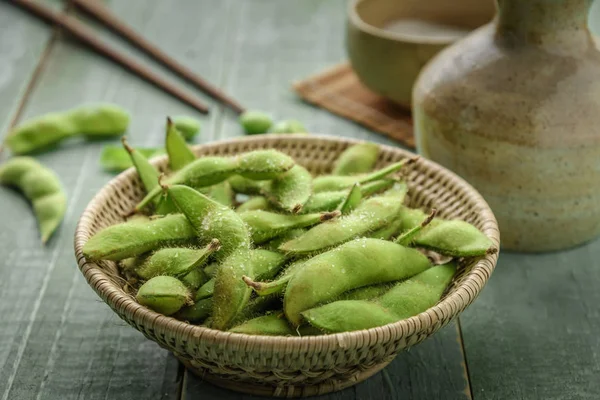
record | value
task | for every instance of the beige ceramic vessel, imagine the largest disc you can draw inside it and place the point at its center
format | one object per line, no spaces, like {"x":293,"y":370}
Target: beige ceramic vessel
{"x":388,"y":62}
{"x":515,"y":110}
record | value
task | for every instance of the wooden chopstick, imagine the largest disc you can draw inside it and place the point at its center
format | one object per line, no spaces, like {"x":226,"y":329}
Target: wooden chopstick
{"x":100,"y":12}
{"x":86,"y":35}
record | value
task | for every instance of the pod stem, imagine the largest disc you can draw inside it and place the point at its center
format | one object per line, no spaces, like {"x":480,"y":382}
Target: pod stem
{"x":266,"y":288}
{"x":126,"y":145}
{"x":164,"y":186}
{"x":214,"y":245}
{"x":406,"y":237}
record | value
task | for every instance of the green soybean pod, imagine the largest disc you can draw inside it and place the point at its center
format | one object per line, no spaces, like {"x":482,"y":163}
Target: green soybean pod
{"x":194,"y":279}
{"x":403,"y":300}
{"x":231,"y":294}
{"x":277,"y":241}
{"x":276,"y":286}
{"x":132,"y":238}
{"x":221,"y":193}
{"x":291,"y":190}
{"x":352,"y":200}
{"x":179,"y":153}
{"x":176,"y":261}
{"x":242,"y":185}
{"x":366,"y":292}
{"x":41,"y":187}
{"x":258,"y":306}
{"x":273,"y":324}
{"x":265,"y":225}
{"x":288,"y":126}
{"x":406,"y":238}
{"x":48,"y":130}
{"x":325,"y":183}
{"x":100,"y":120}
{"x":358,"y":263}
{"x":329,"y":201}
{"x":369,"y":216}
{"x":163,"y":294}
{"x":356,"y":159}
{"x":208,"y":171}
{"x":387,"y":231}
{"x":197,"y":312}
{"x":255,"y":122}
{"x":211,"y":219}
{"x":255,"y":203}
{"x":116,"y":158}
{"x":188,"y":126}
{"x":454,"y":238}
{"x":205,"y":291}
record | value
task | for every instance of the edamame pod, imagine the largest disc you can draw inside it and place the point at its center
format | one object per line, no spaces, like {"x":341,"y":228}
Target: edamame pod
{"x":255,"y":122}
{"x":163,"y":294}
{"x":370,"y":215}
{"x":358,"y":263}
{"x":255,"y":203}
{"x":273,"y":324}
{"x":291,"y":190}
{"x":325,"y":183}
{"x":356,"y":159}
{"x":48,"y":130}
{"x":176,"y":261}
{"x":329,"y":201}
{"x":179,"y":153}
{"x":129,"y":239}
{"x":188,"y":126}
{"x":264,"y":225}
{"x":41,"y":187}
{"x":211,"y":219}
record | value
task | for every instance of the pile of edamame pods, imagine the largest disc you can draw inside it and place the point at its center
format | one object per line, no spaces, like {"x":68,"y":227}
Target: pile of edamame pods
{"x":254,"y":244}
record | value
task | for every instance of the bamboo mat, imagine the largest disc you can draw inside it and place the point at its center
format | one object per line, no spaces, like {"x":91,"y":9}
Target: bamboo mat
{"x":339,"y":91}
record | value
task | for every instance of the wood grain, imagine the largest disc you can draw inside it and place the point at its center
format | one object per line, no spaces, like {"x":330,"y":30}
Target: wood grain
{"x":533,"y":332}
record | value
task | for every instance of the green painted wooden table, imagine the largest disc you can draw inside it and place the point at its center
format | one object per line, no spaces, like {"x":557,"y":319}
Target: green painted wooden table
{"x":534,"y":333}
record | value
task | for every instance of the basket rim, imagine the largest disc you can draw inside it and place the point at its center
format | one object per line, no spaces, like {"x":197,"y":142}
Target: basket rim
{"x":456,"y":301}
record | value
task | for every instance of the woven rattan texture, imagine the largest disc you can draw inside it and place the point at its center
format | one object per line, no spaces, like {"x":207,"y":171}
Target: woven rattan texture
{"x":292,"y":366}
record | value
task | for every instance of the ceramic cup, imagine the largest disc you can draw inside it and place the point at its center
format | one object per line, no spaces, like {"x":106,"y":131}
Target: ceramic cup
{"x":389,"y":41}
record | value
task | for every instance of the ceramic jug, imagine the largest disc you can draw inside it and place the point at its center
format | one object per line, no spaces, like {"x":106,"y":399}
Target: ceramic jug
{"x":514,"y":108}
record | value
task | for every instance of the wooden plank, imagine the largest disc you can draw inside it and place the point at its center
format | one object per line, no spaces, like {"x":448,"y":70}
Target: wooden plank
{"x":533,"y":332}
{"x":276,"y":43}
{"x":57,"y":339}
{"x":22,"y":42}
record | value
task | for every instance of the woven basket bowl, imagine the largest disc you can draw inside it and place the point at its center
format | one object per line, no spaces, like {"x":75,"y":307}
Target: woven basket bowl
{"x":292,"y":366}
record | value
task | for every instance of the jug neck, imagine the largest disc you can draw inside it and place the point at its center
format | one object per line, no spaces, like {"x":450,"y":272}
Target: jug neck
{"x":544,"y":23}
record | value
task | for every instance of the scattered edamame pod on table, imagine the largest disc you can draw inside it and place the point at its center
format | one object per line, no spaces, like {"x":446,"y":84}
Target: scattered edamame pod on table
{"x":41,"y":187}
{"x":45,"y":131}
{"x":188,"y":126}
{"x":288,"y":126}
{"x":255,"y":122}
{"x":356,"y":159}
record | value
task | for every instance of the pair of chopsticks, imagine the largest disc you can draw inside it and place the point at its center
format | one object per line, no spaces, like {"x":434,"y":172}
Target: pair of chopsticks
{"x":97,"y":10}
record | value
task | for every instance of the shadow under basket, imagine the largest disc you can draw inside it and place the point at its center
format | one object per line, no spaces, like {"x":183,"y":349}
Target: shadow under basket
{"x":292,"y":366}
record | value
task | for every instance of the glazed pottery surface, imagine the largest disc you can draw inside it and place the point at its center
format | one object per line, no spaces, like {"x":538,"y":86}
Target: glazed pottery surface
{"x":388,"y":60}
{"x":594,"y":19}
{"x":515,"y":110}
